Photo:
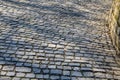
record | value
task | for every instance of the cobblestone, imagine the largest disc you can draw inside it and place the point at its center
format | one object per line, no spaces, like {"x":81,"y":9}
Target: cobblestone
{"x":65,"y":78}
{"x":36,"y":70}
{"x":15,"y":78}
{"x":56,"y":40}
{"x":100,"y":75}
{"x":8,"y":68}
{"x":3,"y":72}
{"x":10,"y":74}
{"x":66,"y":73}
{"x":88,"y":74}
{"x":57,"y":72}
{"x":23,"y":69}
{"x":39,"y":76}
{"x":54,"y":77}
{"x":76,"y":73}
{"x":30,"y":75}
{"x":0,"y":66}
{"x":25,"y":79}
{"x":52,"y":66}
{"x":20,"y":74}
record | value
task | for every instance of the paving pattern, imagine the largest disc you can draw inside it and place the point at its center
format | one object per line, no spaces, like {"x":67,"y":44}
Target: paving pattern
{"x":56,"y":40}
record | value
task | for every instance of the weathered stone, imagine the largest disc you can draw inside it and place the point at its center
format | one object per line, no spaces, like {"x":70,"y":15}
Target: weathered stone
{"x":30,"y":75}
{"x":0,"y":66}
{"x":27,"y":64}
{"x":52,"y":66}
{"x":10,"y":74}
{"x":26,"y":79}
{"x":57,"y":72}
{"x":39,"y":76}
{"x":46,"y":76}
{"x":54,"y":77}
{"x":100,"y":75}
{"x":56,"y":40}
{"x":20,"y":74}
{"x":36,"y":70}
{"x":23,"y":69}
{"x":51,"y":45}
{"x":76,"y":73}
{"x":46,"y":71}
{"x":36,"y":65}
{"x":30,"y":53}
{"x":88,"y":74}
{"x":19,"y":64}
{"x":8,"y":68}
{"x":65,"y":78}
{"x":3,"y":73}
{"x":15,"y":78}
{"x":66,"y":73}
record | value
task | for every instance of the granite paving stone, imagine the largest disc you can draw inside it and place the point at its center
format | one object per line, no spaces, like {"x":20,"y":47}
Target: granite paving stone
{"x":23,"y":69}
{"x":56,"y":40}
{"x":8,"y":68}
{"x":20,"y":74}
{"x":30,"y":75}
{"x":76,"y":73}
{"x":10,"y":74}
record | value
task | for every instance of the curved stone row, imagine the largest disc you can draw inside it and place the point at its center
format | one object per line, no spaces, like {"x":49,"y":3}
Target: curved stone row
{"x":55,"y":40}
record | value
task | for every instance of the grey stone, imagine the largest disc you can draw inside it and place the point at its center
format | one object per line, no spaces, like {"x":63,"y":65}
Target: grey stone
{"x":30,"y":75}
{"x":43,"y":66}
{"x":88,"y":74}
{"x":20,"y":74}
{"x":0,"y":66}
{"x":46,"y":76}
{"x":30,"y":53}
{"x":54,"y":77}
{"x":2,"y":62}
{"x":35,"y":65}
{"x":109,"y":76}
{"x":59,"y":52}
{"x":60,"y":46}
{"x":57,"y":72}
{"x":10,"y":74}
{"x":8,"y":68}
{"x":39,"y":76}
{"x":76,"y":73}
{"x":15,"y":78}
{"x":3,"y":72}
{"x":19,"y":64}
{"x":26,"y":79}
{"x":56,"y":39}
{"x":27,"y":64}
{"x":76,"y":68}
{"x":65,"y":78}
{"x":20,"y":52}
{"x":86,"y":69}
{"x":36,"y":70}
{"x":23,"y":69}
{"x":67,"y":67}
{"x":8,"y":59}
{"x":51,"y":45}
{"x":46,"y":71}
{"x":66,"y":73}
{"x":52,"y":66}
{"x":48,"y":51}
{"x":99,"y":75}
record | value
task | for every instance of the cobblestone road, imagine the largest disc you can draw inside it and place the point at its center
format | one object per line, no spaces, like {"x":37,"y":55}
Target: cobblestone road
{"x":56,"y":40}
